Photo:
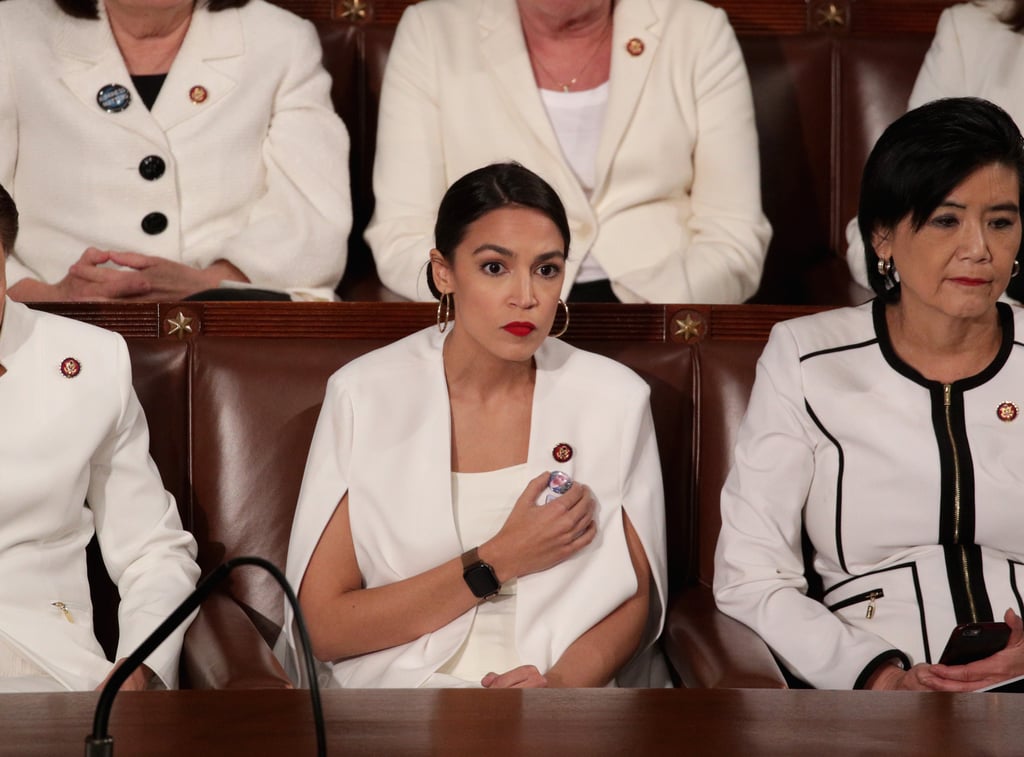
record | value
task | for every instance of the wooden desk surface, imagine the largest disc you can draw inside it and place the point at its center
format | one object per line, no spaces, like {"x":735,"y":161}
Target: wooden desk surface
{"x":751,"y":723}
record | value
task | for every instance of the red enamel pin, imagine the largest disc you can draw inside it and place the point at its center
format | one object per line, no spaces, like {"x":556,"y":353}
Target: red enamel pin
{"x":69,"y":367}
{"x":1007,"y":411}
{"x":562,"y":452}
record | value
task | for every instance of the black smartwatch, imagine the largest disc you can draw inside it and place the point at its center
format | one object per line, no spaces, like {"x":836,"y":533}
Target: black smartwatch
{"x":479,"y":576}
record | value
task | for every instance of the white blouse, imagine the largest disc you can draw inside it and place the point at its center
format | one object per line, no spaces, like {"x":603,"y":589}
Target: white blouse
{"x":578,"y":120}
{"x":481,"y":503}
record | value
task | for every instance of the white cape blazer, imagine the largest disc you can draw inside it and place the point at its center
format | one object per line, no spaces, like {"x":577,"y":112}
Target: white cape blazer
{"x":384,"y":437}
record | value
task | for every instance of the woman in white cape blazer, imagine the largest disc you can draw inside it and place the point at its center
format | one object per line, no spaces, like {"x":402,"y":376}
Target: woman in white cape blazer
{"x":383,"y":438}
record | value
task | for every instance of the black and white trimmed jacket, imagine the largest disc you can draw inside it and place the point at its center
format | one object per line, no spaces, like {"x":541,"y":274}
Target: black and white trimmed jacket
{"x":911,"y":491}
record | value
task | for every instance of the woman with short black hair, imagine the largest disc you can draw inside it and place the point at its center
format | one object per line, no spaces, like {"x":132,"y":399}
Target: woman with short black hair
{"x":891,"y":432}
{"x":978,"y":51}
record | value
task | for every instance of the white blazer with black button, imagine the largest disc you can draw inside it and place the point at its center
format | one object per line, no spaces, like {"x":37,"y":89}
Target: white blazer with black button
{"x":257,"y":174}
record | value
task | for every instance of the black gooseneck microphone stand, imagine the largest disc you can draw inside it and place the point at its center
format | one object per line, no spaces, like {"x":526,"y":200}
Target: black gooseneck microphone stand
{"x":101,"y":744}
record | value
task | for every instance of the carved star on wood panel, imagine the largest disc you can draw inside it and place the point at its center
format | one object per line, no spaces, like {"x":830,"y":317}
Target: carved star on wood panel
{"x":354,"y":10}
{"x":179,"y":326}
{"x":688,"y":329}
{"x":831,"y":15}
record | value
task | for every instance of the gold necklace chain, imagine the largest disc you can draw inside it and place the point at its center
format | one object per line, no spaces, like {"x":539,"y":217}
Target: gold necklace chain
{"x":566,"y":86}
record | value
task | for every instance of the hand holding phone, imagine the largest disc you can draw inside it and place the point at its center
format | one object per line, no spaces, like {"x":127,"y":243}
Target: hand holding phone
{"x":974,"y":641}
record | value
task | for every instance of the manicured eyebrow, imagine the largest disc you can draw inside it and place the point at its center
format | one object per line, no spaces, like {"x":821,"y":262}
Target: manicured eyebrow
{"x":493,"y":248}
{"x":1009,"y":207}
{"x":505,"y":252}
{"x":553,"y":255}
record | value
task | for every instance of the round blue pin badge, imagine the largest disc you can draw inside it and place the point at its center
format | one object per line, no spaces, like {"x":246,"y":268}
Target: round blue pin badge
{"x":114,"y":98}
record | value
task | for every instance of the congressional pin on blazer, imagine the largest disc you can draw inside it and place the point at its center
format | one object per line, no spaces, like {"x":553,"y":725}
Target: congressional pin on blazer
{"x":1007,"y":411}
{"x":562,"y":452}
{"x":114,"y":98}
{"x":635,"y":47}
{"x":198,"y":94}
{"x":70,"y":367}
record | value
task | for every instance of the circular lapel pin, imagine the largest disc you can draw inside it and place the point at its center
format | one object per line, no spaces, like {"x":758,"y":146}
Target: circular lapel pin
{"x":1007,"y":411}
{"x":114,"y":98}
{"x":198,"y":94}
{"x":635,"y":47}
{"x":69,"y":367}
{"x":562,"y":452}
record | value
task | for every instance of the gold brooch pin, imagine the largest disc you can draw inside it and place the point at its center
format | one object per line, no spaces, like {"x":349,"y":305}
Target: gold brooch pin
{"x":69,"y":367}
{"x":1007,"y":411}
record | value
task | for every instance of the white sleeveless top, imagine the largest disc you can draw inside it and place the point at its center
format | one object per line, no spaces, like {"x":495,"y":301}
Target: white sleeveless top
{"x":481,"y":504}
{"x":578,"y":119}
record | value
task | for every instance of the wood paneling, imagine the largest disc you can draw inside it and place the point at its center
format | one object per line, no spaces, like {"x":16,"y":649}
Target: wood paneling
{"x":749,"y":17}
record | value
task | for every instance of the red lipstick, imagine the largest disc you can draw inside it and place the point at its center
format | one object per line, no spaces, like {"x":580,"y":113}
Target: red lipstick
{"x":519,"y":328}
{"x":970,"y":282}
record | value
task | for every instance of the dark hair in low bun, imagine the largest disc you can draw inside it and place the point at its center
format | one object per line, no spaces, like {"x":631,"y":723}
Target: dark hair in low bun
{"x":498,"y":185}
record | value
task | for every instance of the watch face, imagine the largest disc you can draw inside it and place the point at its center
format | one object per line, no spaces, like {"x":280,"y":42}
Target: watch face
{"x":481,"y":580}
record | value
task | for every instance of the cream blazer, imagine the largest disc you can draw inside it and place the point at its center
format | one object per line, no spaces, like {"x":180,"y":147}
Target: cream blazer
{"x":66,"y":442}
{"x":675,"y":214}
{"x":386,"y":442}
{"x":257,"y":174}
{"x":973,"y":54}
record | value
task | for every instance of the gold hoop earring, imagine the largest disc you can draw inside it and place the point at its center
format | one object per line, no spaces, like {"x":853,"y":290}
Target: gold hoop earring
{"x":1016,"y":269}
{"x":565,"y":326}
{"x":446,"y":305}
{"x":884,"y":266}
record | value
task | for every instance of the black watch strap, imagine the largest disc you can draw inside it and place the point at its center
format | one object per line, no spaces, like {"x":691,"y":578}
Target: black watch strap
{"x":478,"y":575}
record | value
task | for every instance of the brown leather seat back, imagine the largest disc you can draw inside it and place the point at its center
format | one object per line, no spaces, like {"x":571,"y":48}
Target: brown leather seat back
{"x":355,"y":56}
{"x":791,"y":79}
{"x":160,"y":376}
{"x":876,"y":75}
{"x":254,"y":406}
{"x":727,"y":371}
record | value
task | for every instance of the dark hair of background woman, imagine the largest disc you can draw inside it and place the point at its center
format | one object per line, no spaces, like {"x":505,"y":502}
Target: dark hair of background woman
{"x":921,"y":158}
{"x":479,"y":192}
{"x":8,"y":222}
{"x":1014,"y":17}
{"x":90,"y":8}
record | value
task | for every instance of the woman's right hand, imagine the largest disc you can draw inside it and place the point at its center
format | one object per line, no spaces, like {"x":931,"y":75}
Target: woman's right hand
{"x":87,"y":279}
{"x":536,"y":537}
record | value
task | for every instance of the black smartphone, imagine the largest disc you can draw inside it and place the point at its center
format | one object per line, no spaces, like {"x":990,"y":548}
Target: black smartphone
{"x":974,"y":641}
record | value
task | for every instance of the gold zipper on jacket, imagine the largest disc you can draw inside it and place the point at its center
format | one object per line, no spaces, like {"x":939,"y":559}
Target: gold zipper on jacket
{"x":64,"y":609}
{"x":871,"y":603}
{"x":947,"y":391}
